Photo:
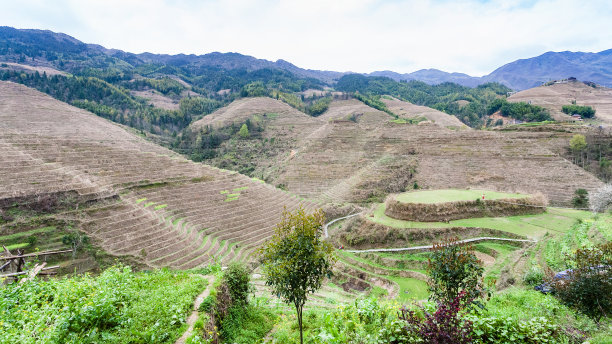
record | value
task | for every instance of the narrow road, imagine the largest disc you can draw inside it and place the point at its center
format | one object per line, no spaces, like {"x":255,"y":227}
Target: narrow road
{"x":335,"y":220}
{"x":194,"y":314}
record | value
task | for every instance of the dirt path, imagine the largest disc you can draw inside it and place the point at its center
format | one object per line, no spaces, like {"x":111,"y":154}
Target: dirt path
{"x":194,"y":314}
{"x":429,"y":247}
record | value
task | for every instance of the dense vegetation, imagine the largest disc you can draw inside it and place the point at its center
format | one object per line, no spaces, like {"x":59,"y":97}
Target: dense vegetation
{"x":593,"y":152}
{"x":105,"y":100}
{"x":442,"y":97}
{"x":583,"y":111}
{"x":118,"y":306}
{"x":520,"y":111}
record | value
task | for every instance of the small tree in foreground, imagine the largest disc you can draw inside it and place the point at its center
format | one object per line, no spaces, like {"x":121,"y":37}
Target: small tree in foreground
{"x":453,"y":268}
{"x":296,"y":259}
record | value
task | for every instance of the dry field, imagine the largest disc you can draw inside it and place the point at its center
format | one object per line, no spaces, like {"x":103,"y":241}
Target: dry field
{"x":151,"y":203}
{"x":353,"y":152}
{"x":281,"y":120}
{"x":555,"y":96}
{"x":409,"y":110}
{"x":30,"y":69}
{"x":343,"y":158}
{"x":157,"y":99}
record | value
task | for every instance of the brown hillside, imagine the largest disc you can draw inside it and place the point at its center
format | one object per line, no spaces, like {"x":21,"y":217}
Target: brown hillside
{"x":553,"y":98}
{"x":409,"y":110}
{"x":348,"y":161}
{"x":265,"y":108}
{"x":343,"y":110}
{"x":157,"y":99}
{"x":147,"y":201}
{"x":353,"y":152}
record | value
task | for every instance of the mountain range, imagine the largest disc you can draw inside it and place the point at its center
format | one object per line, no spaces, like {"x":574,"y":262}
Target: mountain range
{"x":43,"y":47}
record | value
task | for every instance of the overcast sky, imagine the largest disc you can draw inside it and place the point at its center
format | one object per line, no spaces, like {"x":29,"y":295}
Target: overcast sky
{"x":469,"y":36}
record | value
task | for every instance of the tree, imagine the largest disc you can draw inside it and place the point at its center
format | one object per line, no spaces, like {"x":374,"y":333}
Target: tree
{"x":601,"y":199}
{"x":244,"y":131}
{"x":296,"y":259}
{"x":577,"y":145}
{"x":580,"y":199}
{"x":453,"y":268}
{"x":589,"y":286}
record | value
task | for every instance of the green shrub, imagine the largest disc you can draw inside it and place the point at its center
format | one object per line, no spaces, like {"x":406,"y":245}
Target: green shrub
{"x":454,"y":268}
{"x":118,"y":306}
{"x":207,"y":304}
{"x":506,"y":330}
{"x":534,"y":276}
{"x":246,"y":325}
{"x":589,"y":287}
{"x":238,"y":282}
{"x":581,"y":199}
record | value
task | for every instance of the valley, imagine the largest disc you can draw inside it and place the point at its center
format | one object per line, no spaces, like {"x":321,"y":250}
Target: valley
{"x":167,"y":174}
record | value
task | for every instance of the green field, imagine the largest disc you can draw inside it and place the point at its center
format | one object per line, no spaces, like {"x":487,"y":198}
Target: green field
{"x":452,"y":195}
{"x":534,"y":226}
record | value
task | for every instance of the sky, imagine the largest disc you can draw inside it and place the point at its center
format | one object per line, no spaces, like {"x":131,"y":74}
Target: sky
{"x":468,"y":36}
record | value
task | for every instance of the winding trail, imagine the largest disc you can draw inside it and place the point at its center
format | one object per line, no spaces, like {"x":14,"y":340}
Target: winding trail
{"x":194,"y":314}
{"x":335,"y":220}
{"x":429,"y":247}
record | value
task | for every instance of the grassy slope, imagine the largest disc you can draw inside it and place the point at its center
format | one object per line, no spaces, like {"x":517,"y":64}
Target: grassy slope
{"x":450,"y":195}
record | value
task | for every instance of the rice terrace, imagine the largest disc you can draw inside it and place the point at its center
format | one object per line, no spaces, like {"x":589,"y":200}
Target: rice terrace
{"x":221,"y":198}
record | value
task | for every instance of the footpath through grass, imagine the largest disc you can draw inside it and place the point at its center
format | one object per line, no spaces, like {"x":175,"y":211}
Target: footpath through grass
{"x":453,"y":195}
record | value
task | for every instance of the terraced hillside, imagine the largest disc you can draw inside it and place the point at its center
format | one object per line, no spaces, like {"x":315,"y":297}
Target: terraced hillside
{"x":357,"y":160}
{"x":378,"y":247}
{"x":409,"y":110}
{"x":553,"y":98}
{"x":281,"y":119}
{"x":131,"y":196}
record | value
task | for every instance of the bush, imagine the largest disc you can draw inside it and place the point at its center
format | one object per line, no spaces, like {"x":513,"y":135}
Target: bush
{"x":534,"y":276}
{"x":453,"y":268}
{"x":580,"y":199}
{"x":238,"y":281}
{"x":589,"y":286}
{"x":445,"y":326}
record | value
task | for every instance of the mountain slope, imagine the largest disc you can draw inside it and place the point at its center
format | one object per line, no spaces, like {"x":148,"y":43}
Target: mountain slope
{"x":43,"y":47}
{"x":554,"y":96}
{"x":131,"y":196}
{"x":527,"y":73}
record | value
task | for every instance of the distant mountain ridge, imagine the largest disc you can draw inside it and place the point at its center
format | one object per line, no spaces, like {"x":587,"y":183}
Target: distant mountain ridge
{"x":45,"y":47}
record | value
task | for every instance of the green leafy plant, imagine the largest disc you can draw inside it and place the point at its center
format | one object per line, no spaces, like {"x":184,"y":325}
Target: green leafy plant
{"x":453,"y":268}
{"x":297,"y":259}
{"x":589,"y":286}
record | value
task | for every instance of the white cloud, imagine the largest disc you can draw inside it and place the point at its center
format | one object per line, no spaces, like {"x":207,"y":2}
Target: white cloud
{"x":468,"y":36}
